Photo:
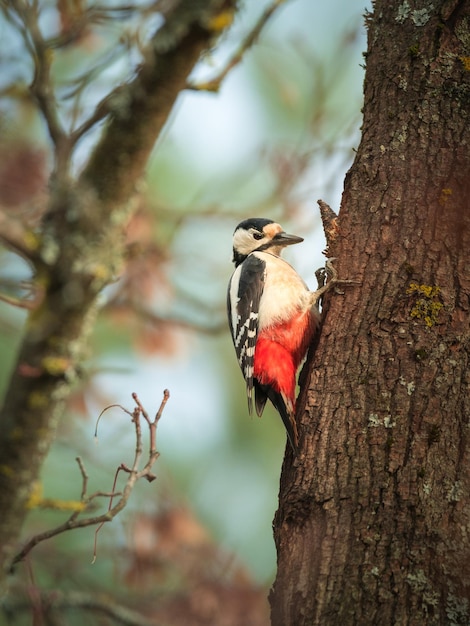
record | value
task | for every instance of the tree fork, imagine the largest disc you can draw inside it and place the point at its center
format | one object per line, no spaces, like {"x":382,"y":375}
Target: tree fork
{"x":373,"y":519}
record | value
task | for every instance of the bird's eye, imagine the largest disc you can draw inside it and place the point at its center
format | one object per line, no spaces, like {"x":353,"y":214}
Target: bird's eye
{"x":258,"y":236}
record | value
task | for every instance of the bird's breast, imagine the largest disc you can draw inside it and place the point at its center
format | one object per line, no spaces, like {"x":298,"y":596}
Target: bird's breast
{"x":285,"y":294}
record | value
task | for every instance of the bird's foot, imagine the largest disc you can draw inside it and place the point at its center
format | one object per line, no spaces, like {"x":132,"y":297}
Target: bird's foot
{"x":327,"y":278}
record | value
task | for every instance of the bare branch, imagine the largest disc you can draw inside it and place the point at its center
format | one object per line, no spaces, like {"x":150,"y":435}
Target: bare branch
{"x":166,"y":397}
{"x":97,"y":14}
{"x":84,"y":478}
{"x":17,"y":237}
{"x":41,"y":86}
{"x":102,"y":109}
{"x":214,"y":84}
{"x":134,"y":474}
{"x":110,"y":406}
{"x":144,"y":104}
{"x":19,"y":303}
{"x":141,"y":408}
{"x":21,"y":294}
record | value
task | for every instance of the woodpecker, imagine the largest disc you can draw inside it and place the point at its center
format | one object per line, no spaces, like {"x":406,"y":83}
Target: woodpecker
{"x":272,"y":315}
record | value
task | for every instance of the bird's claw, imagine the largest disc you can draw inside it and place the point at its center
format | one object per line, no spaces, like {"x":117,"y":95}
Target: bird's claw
{"x":327,"y":278}
{"x":327,"y":274}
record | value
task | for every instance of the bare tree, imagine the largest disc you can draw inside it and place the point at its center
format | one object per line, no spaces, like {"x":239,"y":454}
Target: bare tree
{"x":79,"y":246}
{"x":373,"y":523}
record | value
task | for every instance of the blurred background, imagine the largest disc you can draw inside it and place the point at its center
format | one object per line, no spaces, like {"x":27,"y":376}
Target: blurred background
{"x":279,"y":135}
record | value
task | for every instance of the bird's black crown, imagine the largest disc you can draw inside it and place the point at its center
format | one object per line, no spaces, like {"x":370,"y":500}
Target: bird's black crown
{"x":254,"y":222}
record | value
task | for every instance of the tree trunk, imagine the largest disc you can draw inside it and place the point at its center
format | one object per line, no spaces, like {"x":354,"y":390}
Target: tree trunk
{"x":373,"y":525}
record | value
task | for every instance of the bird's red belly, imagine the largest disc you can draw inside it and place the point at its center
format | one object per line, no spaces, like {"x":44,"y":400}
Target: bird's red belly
{"x":280,"y":349}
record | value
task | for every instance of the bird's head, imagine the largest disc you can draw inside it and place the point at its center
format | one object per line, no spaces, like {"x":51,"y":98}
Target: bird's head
{"x":259,"y":234}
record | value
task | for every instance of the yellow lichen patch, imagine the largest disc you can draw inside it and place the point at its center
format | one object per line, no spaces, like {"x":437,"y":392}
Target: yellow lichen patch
{"x":36,"y":501}
{"x":62,"y":505}
{"x":445,"y":195}
{"x":466,"y":63}
{"x":427,"y":306}
{"x":101,"y":271}
{"x":35,"y":497}
{"x":55,"y":365}
{"x":212,"y":86}
{"x":37,"y":400}
{"x":31,"y":240}
{"x":219,"y":22}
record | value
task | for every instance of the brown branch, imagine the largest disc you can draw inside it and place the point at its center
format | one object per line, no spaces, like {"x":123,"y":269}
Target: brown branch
{"x":29,"y":301}
{"x":84,"y":474}
{"x":152,"y":428}
{"x":18,"y":302}
{"x":134,"y":475}
{"x":102,"y":109}
{"x":41,"y":87}
{"x":97,"y":14}
{"x":249,"y":41}
{"x":138,"y":115}
{"x":133,"y":472}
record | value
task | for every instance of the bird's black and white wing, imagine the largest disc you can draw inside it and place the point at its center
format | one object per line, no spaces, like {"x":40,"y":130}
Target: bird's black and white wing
{"x":243,"y":299}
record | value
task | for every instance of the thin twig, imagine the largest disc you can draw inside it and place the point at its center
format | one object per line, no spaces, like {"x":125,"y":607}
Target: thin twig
{"x":102,"y":109}
{"x":166,"y":397}
{"x":84,"y":474}
{"x":134,"y":474}
{"x":41,"y":86}
{"x":101,"y":524}
{"x":19,"y":303}
{"x":110,"y":406}
{"x":141,"y":408}
{"x":153,"y":425}
{"x":17,"y":237}
{"x":214,"y":84}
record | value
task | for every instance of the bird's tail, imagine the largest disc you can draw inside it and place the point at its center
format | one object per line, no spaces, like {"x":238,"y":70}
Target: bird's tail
{"x":283,"y":406}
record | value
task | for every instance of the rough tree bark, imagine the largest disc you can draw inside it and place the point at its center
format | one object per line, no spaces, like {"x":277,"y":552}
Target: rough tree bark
{"x":373,"y":525}
{"x":79,"y":248}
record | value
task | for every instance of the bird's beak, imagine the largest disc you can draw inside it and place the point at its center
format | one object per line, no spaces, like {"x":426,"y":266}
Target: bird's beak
{"x":283,"y":239}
